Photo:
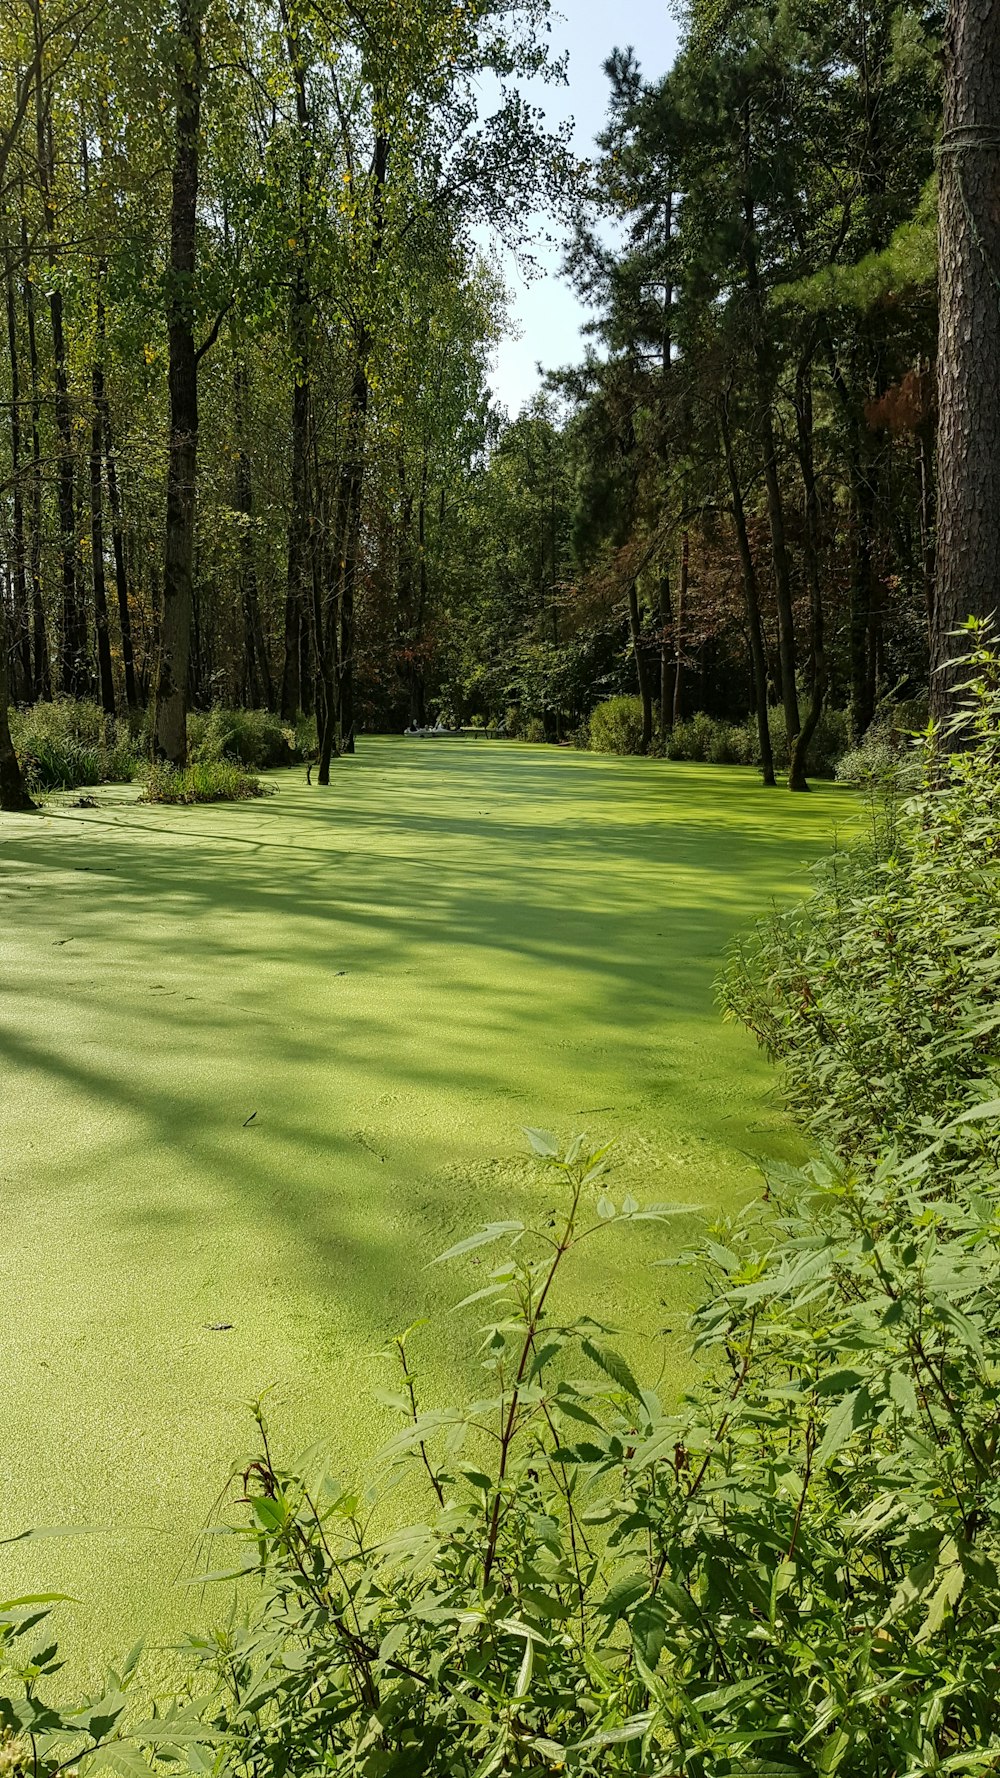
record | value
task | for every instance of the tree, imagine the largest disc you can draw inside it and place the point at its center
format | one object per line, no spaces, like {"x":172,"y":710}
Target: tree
{"x":170,"y":730}
{"x":968,"y":538}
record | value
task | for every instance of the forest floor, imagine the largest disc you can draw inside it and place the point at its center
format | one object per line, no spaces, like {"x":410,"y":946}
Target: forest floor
{"x":387,"y":979}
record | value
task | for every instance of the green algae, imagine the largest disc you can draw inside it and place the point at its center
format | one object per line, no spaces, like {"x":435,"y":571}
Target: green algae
{"x":259,"y":1063}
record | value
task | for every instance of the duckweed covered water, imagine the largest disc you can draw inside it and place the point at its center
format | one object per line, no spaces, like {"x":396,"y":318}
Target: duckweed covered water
{"x":260,"y":1063}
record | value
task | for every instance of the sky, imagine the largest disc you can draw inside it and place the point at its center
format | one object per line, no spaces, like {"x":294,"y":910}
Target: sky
{"x":546,"y":312}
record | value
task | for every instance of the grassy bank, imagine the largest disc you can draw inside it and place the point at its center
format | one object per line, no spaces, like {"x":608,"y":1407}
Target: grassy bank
{"x":386,"y":980}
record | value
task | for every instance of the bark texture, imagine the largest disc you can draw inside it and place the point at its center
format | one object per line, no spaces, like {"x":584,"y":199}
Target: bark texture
{"x":968,"y":523}
{"x":170,"y":731}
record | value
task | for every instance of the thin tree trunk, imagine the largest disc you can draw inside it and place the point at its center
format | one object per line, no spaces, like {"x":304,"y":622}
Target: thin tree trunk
{"x":117,"y":530}
{"x":170,"y":731}
{"x":353,"y":475}
{"x":22,"y":638}
{"x":818,"y":672}
{"x":104,"y":667}
{"x":74,"y":672}
{"x":641,"y":670}
{"x":105,"y":671}
{"x":293,"y":676}
{"x":769,"y":454}
{"x":928,"y":522}
{"x":354,"y":465}
{"x":680,"y":640}
{"x":13,"y":795}
{"x":299,"y":519}
{"x":968,"y":455}
{"x":666,"y":626}
{"x":258,"y":668}
{"x":758,"y":653}
{"x":43,"y":677}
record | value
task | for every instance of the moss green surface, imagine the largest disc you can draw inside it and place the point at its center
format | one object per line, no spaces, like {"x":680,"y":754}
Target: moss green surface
{"x":393,"y":975}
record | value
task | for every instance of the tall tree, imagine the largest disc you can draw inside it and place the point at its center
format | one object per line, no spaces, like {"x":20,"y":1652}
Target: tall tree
{"x":170,"y":729}
{"x":968,"y":527}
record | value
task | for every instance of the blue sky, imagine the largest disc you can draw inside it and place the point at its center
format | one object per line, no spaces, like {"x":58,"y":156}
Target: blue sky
{"x":546,"y":312}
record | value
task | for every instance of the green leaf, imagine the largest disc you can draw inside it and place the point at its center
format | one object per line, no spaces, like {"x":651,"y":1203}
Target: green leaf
{"x":495,"y":1232}
{"x":904,"y":1394}
{"x":847,"y":1416}
{"x":614,"y":1366}
{"x":543,"y":1144}
{"x":622,"y":1595}
{"x":648,"y":1624}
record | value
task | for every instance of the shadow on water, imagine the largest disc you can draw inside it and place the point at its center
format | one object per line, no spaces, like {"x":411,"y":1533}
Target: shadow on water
{"x":260,"y":1061}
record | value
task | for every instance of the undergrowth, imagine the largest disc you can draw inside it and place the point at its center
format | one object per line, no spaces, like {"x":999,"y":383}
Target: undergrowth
{"x":65,"y":744}
{"x":204,"y":781}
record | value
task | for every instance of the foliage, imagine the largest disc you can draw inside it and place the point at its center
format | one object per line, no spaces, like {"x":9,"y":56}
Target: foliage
{"x":256,"y":738}
{"x":205,"y":781}
{"x":64,"y":744}
{"x":880,"y":994}
{"x":704,"y":737}
{"x":616,"y":726}
{"x":792,"y":1571}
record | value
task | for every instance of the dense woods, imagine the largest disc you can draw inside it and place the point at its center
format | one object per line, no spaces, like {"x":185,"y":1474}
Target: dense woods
{"x":251,"y":455}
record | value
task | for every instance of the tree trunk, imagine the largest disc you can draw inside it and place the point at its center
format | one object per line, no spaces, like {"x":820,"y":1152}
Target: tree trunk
{"x":22,"y":629}
{"x":298,"y":536}
{"x":294,"y":676}
{"x":13,"y":795}
{"x":117,"y":532}
{"x":258,"y":668}
{"x":968,"y":530}
{"x":758,"y":653}
{"x":74,"y":673}
{"x":353,"y":473}
{"x":353,"y":476}
{"x":799,"y":753}
{"x":42,"y":676}
{"x":666,"y":626}
{"x":104,"y":667}
{"x":641,"y":669}
{"x":769,"y":454}
{"x":677,"y":714}
{"x":928,"y":521}
{"x":170,"y":730}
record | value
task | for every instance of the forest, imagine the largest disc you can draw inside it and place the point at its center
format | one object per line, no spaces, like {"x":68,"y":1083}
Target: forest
{"x":499,"y":1207}
{"x":252,"y":458}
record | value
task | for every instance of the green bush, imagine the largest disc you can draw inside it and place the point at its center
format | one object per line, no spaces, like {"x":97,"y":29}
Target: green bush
{"x":255,"y":738}
{"x":616,"y":726}
{"x":204,"y":781}
{"x":66,"y":744}
{"x":692,"y":738}
{"x":880,"y":996}
{"x":707,"y":738}
{"x":533,"y":729}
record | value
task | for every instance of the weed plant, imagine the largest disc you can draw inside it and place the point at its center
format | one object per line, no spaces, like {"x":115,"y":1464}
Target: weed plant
{"x":204,"y":781}
{"x":64,"y":745}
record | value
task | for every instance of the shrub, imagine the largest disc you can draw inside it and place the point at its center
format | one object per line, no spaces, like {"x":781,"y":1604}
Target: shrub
{"x":66,"y":744}
{"x":204,"y":781}
{"x":533,"y":729}
{"x":692,"y":738}
{"x":616,"y":726}
{"x":794,"y":1563}
{"x":254,"y":738}
{"x":880,"y":996}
